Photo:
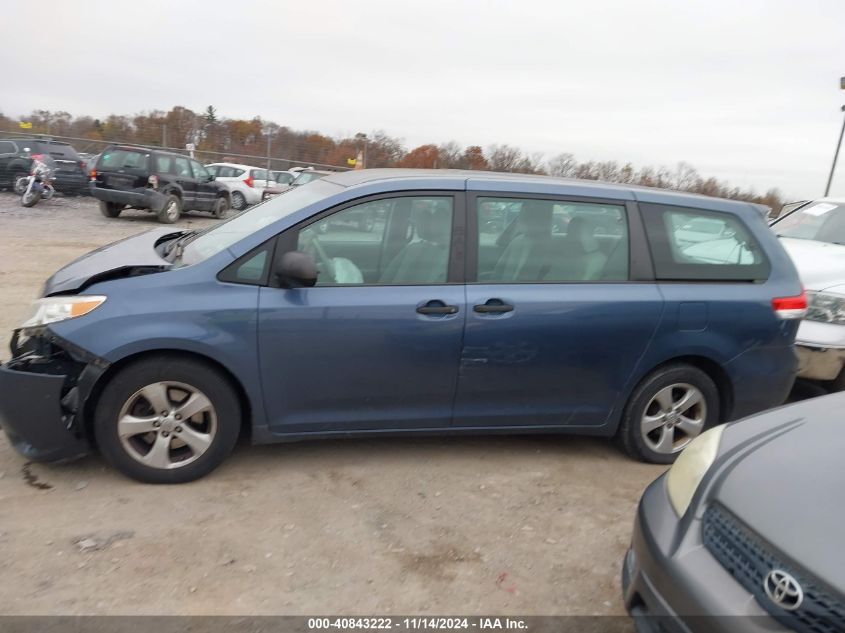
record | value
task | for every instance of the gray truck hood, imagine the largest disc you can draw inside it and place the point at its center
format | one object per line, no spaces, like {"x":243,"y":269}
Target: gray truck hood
{"x":820,"y":264}
{"x":129,"y":256}
{"x":790,"y":489}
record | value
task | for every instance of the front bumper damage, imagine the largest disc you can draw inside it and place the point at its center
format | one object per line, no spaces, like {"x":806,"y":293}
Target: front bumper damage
{"x":44,"y":390}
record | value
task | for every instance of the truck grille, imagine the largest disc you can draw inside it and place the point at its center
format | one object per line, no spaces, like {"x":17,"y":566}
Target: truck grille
{"x":749,"y":560}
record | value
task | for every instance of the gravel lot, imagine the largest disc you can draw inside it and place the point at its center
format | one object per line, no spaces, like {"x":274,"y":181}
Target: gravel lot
{"x":502,"y":525}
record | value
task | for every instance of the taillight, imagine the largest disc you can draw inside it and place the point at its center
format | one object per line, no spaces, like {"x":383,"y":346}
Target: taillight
{"x":249,"y":181}
{"x":153,"y":181}
{"x":790,"y":307}
{"x":93,"y":174}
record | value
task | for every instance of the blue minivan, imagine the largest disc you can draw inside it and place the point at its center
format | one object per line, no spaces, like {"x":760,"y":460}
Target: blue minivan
{"x":476,"y":302}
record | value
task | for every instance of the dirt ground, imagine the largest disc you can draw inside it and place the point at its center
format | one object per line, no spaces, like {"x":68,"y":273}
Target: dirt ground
{"x":500,"y":525}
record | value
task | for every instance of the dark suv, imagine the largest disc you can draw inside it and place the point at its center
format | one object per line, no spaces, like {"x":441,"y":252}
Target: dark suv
{"x":17,"y":154}
{"x":162,"y":182}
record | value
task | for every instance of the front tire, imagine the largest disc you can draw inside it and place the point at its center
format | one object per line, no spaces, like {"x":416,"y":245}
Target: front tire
{"x":110,"y":209}
{"x":171,"y":211}
{"x":670,"y":407}
{"x":30,"y":199}
{"x":167,"y":420}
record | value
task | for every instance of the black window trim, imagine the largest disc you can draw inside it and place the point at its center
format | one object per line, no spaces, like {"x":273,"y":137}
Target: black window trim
{"x":640,"y":268}
{"x":286,"y":241}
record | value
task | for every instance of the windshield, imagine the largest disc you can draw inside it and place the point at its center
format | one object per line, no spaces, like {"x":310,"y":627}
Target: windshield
{"x":222,"y":236}
{"x":820,"y":221}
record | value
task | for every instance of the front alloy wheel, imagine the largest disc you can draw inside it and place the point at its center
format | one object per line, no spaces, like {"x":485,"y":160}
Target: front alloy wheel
{"x":167,"y":419}
{"x":167,"y":425}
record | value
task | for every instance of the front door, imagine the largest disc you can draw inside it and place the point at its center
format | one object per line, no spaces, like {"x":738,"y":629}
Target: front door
{"x":554,"y":328}
{"x":186,"y":181}
{"x":375,"y":344}
{"x":206,"y":189}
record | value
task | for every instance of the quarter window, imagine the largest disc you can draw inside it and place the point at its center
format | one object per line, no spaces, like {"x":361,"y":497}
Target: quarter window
{"x":524,"y":240}
{"x":693,"y":244}
{"x":393,"y":241}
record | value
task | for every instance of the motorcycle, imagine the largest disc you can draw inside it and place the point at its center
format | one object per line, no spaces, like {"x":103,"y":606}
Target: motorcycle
{"x":37,"y":185}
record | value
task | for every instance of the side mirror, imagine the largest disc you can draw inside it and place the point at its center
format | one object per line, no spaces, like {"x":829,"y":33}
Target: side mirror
{"x":296,"y":269}
{"x":210,"y":177}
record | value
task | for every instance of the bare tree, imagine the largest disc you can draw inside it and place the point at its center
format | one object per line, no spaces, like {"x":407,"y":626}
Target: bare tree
{"x":504,"y":157}
{"x":563,"y":165}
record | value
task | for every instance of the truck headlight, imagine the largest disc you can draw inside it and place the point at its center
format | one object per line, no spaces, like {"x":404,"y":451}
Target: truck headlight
{"x":60,"y":308}
{"x":826,"y":307}
{"x":689,"y":469}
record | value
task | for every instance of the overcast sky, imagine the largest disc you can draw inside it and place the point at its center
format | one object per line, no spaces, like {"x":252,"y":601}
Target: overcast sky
{"x":746,"y":91}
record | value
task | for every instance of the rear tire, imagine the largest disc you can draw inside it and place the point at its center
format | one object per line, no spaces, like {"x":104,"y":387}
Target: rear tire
{"x":238,"y":201}
{"x":221,"y":208}
{"x":110,"y":209}
{"x":147,"y":445}
{"x":18,"y":186}
{"x":171,"y":211}
{"x":667,"y":410}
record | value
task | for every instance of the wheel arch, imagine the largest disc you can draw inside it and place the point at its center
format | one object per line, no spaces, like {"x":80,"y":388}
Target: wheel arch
{"x":714,"y":370}
{"x":113,"y":369}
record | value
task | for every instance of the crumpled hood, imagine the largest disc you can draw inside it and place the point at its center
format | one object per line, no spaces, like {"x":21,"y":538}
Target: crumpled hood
{"x":790,"y":489}
{"x":820,"y":264}
{"x":113,"y":260}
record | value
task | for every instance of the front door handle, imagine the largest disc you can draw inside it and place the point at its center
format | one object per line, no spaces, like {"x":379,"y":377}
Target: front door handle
{"x":493,"y":306}
{"x":435,"y":306}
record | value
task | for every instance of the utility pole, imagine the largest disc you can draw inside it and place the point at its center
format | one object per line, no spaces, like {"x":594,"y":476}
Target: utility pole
{"x":164,"y":134}
{"x":836,"y":153}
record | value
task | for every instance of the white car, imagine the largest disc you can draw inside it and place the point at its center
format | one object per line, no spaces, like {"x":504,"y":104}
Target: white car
{"x":246,"y":183}
{"x":814,"y":236}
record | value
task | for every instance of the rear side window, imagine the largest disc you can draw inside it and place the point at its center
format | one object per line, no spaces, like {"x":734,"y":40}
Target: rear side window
{"x":123,"y":159}
{"x":7,"y":147}
{"x":227,"y":172}
{"x":698,"y":245}
{"x":164,"y":164}
{"x":259,"y":174}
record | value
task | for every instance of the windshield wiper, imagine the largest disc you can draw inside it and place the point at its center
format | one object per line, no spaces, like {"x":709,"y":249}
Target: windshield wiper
{"x":178,"y":245}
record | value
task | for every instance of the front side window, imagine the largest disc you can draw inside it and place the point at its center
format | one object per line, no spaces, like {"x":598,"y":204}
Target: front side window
{"x":819,"y":221}
{"x":524,"y":240}
{"x":200,"y":172}
{"x":694,"y":244}
{"x":182,"y":167}
{"x":393,"y":241}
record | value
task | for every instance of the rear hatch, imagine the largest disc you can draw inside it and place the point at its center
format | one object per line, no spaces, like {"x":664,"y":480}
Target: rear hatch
{"x":63,"y":159}
{"x":123,"y":169}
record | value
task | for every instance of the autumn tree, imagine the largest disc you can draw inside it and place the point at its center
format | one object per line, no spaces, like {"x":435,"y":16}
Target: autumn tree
{"x":422,"y":157}
{"x":474,"y":158}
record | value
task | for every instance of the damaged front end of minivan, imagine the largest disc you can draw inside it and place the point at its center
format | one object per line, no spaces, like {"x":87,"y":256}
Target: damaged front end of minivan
{"x":44,"y":390}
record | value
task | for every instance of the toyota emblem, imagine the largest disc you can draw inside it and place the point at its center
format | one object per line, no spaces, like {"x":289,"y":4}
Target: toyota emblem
{"x":783,"y":589}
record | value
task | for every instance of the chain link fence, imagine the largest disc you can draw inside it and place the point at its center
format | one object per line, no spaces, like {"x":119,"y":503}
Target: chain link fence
{"x":94,"y":146}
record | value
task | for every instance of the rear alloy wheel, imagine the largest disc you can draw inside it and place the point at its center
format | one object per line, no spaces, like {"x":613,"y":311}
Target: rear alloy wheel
{"x":19,"y":182}
{"x":110,"y":209}
{"x":668,"y":409}
{"x":167,"y":420}
{"x":238,"y":201}
{"x":171,"y":211}
{"x":221,"y":208}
